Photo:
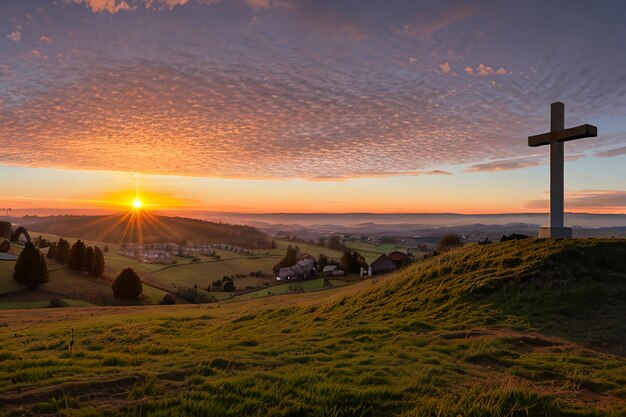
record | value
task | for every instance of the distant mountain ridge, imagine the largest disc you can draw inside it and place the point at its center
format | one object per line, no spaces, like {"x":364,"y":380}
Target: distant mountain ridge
{"x":147,"y":228}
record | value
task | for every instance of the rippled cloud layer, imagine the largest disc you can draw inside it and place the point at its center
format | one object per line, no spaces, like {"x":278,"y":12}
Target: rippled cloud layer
{"x":298,"y":89}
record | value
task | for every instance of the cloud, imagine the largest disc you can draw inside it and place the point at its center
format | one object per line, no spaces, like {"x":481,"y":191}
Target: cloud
{"x":426,"y":26}
{"x":608,"y":200}
{"x":98,"y":6}
{"x":46,"y":39}
{"x":333,"y":178}
{"x":330,"y":20}
{"x":483,"y":71}
{"x":611,"y":152}
{"x":445,"y":67}
{"x":507,"y":164}
{"x":170,"y":94}
{"x":258,"y":4}
{"x":15,"y":36}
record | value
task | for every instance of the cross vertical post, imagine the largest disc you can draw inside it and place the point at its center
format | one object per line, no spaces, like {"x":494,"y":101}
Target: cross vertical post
{"x":557,"y":158}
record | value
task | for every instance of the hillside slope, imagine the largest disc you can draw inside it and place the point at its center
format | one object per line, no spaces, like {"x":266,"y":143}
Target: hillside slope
{"x":521,"y":328}
{"x":148,"y":228}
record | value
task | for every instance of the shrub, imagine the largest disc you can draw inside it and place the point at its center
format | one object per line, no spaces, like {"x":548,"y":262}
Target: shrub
{"x":513,"y":236}
{"x":5,"y":246}
{"x":57,"y":302}
{"x":195,"y":295}
{"x":76,"y":259}
{"x":448,"y":242}
{"x":228,"y":286}
{"x":168,"y":299}
{"x":30,"y":268}
{"x":127,"y":284}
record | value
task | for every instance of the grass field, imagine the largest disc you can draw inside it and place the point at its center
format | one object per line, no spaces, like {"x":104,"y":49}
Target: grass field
{"x":185,"y":273}
{"x":522,"y":328}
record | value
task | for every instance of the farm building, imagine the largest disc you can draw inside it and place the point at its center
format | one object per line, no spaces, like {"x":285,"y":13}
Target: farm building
{"x":381,"y":265}
{"x":303,"y":269}
{"x":399,"y":259}
{"x":332,"y":271}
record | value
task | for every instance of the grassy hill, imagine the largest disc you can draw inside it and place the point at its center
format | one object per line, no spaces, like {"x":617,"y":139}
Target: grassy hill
{"x":520,"y":328}
{"x":148,"y":228}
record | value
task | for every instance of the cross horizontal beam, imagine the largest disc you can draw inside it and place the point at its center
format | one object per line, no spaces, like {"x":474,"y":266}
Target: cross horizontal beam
{"x":578,"y":132}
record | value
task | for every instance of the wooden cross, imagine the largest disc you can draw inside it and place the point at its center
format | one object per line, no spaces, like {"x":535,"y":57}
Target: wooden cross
{"x":555,"y":138}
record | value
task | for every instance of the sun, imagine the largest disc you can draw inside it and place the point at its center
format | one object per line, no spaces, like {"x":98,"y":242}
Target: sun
{"x":137,"y":204}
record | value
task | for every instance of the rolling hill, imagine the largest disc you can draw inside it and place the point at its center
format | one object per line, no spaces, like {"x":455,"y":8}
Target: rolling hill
{"x":149,"y":228}
{"x":519,"y":328}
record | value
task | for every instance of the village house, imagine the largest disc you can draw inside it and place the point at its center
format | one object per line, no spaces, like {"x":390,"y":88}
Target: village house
{"x":163,"y":253}
{"x":399,"y":259}
{"x":381,"y":265}
{"x":332,"y":271}
{"x":303,"y":269}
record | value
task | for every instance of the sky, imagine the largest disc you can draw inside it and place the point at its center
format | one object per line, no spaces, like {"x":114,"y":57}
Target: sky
{"x":309,"y":105}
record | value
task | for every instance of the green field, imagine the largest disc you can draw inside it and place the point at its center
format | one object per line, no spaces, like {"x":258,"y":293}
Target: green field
{"x":157,"y":278}
{"x":520,"y":328}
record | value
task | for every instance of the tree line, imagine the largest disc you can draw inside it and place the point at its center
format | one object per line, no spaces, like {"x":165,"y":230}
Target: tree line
{"x":79,"y":257}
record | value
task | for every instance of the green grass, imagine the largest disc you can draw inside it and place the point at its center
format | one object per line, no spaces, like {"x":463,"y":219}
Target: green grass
{"x":12,"y":305}
{"x":184,"y":273}
{"x":525,"y":328}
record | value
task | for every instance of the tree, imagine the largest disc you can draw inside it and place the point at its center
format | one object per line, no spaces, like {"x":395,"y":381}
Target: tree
{"x":352,"y":261}
{"x":335,"y":242}
{"x":62,"y":251}
{"x":106,"y":248}
{"x":98,"y":262}
{"x":76,"y":260}
{"x":290,"y":259}
{"x":448,"y":242}
{"x":88,"y":265}
{"x":322,"y":261}
{"x":127,"y":284}
{"x":30,"y":268}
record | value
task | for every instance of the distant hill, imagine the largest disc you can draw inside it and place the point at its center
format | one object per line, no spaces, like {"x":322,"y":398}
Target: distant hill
{"x":148,"y":228}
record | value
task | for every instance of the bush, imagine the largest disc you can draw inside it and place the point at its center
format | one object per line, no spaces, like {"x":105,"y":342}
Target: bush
{"x":513,"y":236}
{"x":228,"y":286}
{"x":57,"y":302}
{"x":448,"y":242}
{"x":5,"y":245}
{"x":30,"y":268}
{"x":195,"y":295}
{"x":127,"y":284}
{"x":168,"y":299}
{"x":76,"y":259}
